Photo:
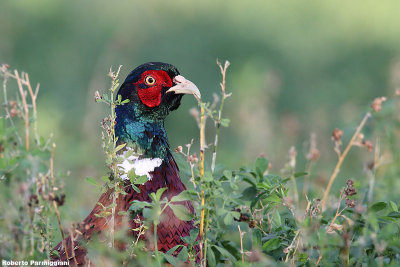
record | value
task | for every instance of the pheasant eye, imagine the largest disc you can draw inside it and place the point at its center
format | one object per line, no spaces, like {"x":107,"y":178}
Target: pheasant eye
{"x":149,"y":80}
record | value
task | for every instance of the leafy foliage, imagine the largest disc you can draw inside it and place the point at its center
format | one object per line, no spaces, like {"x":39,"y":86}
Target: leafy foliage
{"x":30,"y":190}
{"x":253,"y":216}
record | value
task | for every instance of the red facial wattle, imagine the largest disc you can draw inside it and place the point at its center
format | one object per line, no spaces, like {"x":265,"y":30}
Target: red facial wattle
{"x":150,"y":94}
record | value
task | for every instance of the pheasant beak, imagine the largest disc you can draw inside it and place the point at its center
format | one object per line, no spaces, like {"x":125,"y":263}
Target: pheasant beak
{"x":184,"y":86}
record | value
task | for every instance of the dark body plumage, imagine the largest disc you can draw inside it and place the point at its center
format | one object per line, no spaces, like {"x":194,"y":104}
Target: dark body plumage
{"x":140,"y":124}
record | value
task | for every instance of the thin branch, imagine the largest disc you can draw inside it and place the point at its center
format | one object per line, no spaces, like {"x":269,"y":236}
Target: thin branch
{"x":371,"y":172}
{"x":26,"y":109}
{"x":319,"y":259}
{"x":241,"y":242}
{"x":61,"y":229}
{"x":218,"y":121}
{"x":291,"y":246}
{"x":71,"y":234}
{"x":33,"y":98}
{"x":55,"y":204}
{"x":341,"y":159}
{"x":52,"y":165}
{"x":6,"y":103}
{"x":338,"y":213}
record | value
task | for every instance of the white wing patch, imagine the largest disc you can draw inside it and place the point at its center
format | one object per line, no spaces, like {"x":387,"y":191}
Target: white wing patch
{"x":141,"y":166}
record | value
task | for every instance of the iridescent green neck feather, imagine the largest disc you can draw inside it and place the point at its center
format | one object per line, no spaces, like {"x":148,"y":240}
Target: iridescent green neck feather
{"x":145,"y":134}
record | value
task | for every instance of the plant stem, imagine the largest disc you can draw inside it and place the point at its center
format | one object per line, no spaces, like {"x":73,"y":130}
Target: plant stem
{"x":371,"y":173}
{"x":114,"y":85}
{"x":295,"y":192}
{"x":202,"y":128}
{"x":319,"y":259}
{"x":337,"y":212}
{"x":341,"y":159}
{"x":71,"y":234}
{"x":55,"y":204}
{"x":205,"y":236}
{"x":26,"y":109}
{"x":155,"y":243}
{"x":61,"y":229}
{"x":241,"y":243}
{"x":52,"y":165}
{"x":6,"y":103}
{"x":218,"y":126}
{"x":33,"y":98}
{"x":214,"y":155}
{"x":218,"y":122}
{"x":297,"y":236}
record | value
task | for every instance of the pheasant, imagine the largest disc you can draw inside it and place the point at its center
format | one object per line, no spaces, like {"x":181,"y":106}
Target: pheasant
{"x":154,"y":90}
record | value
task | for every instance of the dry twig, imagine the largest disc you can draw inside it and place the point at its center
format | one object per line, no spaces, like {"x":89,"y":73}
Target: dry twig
{"x":341,"y":159}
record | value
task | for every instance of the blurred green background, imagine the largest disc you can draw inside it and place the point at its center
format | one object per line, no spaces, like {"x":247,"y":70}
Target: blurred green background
{"x":296,"y":68}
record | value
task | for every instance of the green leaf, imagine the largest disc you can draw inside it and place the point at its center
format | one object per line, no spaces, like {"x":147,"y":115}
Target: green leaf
{"x":228,"y":220}
{"x":378,"y":206}
{"x":225,"y":122}
{"x":132,"y":175}
{"x":106,"y":98}
{"x":105,"y":178}
{"x":55,"y":253}
{"x":256,"y":199}
{"x":118,"y":159}
{"x":373,"y":221}
{"x":299,"y":174}
{"x":118,"y":148}
{"x":211,"y":257}
{"x":277,"y":219}
{"x":393,"y":206}
{"x":42,"y":141}
{"x":152,"y":214}
{"x":388,"y":218}
{"x":185,"y":239}
{"x":228,"y":174}
{"x":394,"y":214}
{"x":135,"y":188}
{"x":249,"y":193}
{"x":128,"y":153}
{"x":92,"y":181}
{"x":208,"y":177}
{"x":235,"y":214}
{"x":171,"y":259}
{"x":183,"y":196}
{"x":153,"y":196}
{"x":194,"y":233}
{"x":172,"y":250}
{"x":271,"y":244}
{"x":221,"y":211}
{"x":141,"y":179}
{"x":257,"y":236}
{"x":181,"y":212}
{"x":112,"y":205}
{"x":138,"y":205}
{"x":273,"y":198}
{"x":183,"y":255}
{"x":250,"y":180}
{"x":261,"y":166}
{"x":233,"y":185}
{"x":225,"y":253}
{"x":159,"y":193}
